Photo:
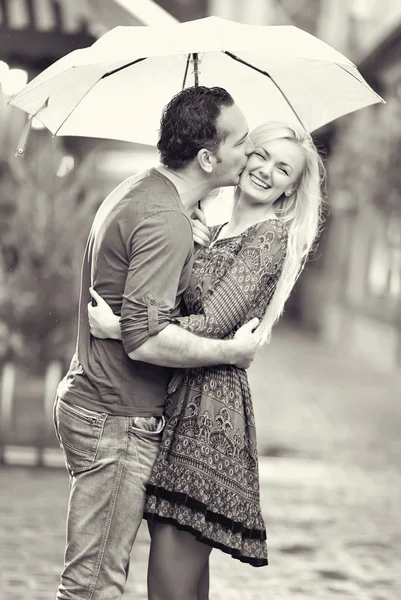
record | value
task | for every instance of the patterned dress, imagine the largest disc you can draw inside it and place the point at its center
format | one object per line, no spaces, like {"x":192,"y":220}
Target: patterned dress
{"x":205,"y":479}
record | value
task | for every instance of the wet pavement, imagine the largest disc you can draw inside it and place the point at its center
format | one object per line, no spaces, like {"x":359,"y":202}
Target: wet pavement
{"x":329,"y":432}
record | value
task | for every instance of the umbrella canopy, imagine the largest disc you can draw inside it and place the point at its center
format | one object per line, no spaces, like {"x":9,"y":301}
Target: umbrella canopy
{"x":117,"y":88}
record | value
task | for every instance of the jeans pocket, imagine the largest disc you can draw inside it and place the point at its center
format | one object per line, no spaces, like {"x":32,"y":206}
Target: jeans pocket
{"x":79,"y":431}
{"x":146,"y":434}
{"x":149,"y":427}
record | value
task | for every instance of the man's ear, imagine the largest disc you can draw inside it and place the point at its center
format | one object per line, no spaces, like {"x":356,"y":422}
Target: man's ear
{"x":205,"y":160}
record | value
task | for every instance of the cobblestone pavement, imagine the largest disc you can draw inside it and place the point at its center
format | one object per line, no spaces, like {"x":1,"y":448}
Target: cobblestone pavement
{"x":329,"y":429}
{"x":311,"y":401}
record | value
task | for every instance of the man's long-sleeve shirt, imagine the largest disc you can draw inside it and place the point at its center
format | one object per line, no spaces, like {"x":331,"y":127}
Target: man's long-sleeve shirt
{"x":138,"y":258}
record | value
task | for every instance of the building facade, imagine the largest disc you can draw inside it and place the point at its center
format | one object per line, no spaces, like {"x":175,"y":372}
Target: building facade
{"x":352,"y":293}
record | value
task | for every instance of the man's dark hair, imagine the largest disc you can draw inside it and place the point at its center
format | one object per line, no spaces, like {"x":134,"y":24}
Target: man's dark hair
{"x":188,"y":124}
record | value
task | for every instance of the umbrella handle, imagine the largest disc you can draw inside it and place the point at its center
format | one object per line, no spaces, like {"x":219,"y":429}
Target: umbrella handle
{"x":24,"y":137}
{"x":23,"y":140}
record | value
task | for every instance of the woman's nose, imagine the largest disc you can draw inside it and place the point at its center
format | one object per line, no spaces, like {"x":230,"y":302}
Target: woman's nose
{"x":266,"y":169}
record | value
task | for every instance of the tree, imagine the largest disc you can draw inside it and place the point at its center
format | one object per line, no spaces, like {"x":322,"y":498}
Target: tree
{"x":365,"y":161}
{"x":49,"y":212}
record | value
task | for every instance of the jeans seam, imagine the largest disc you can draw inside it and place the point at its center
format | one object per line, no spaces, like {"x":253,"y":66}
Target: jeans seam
{"x":121,"y":463}
{"x":55,"y":423}
{"x":134,"y":439}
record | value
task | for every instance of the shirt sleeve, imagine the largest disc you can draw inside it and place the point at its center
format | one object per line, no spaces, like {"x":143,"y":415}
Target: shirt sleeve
{"x":246,"y":288}
{"x":159,"y":248}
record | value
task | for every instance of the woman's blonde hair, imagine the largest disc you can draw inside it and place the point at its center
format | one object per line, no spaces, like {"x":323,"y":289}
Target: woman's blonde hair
{"x":301,"y":212}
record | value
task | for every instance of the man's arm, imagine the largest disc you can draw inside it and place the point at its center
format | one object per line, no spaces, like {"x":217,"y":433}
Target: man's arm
{"x":176,"y":347}
{"x":160,"y":252}
{"x":221,"y":314}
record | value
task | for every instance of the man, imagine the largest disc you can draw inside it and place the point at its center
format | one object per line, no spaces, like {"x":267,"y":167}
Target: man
{"x":109,"y":410}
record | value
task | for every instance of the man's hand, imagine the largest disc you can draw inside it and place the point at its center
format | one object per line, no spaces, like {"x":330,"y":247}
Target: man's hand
{"x":200,"y":231}
{"x":248,"y":343}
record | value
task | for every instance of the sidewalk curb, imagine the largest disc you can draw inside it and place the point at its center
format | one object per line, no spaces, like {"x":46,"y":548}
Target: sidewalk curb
{"x":286,"y":471}
{"x":31,"y":456}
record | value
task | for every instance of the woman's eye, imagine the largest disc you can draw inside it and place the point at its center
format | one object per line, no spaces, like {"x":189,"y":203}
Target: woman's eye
{"x":260,"y":155}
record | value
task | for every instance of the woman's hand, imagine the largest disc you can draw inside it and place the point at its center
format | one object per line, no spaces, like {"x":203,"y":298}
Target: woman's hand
{"x":103,"y":322}
{"x":200,"y":231}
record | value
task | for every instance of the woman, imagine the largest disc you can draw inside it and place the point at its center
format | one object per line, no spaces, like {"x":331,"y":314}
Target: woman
{"x":204,"y":488}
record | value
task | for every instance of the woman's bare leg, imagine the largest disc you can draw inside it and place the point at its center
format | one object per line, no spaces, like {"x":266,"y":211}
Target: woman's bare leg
{"x":177,"y":562}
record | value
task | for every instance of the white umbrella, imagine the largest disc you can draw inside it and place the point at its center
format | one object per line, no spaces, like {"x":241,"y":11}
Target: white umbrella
{"x":117,"y":88}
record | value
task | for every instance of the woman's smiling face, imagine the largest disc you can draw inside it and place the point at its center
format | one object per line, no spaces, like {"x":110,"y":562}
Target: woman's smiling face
{"x":273,"y":168}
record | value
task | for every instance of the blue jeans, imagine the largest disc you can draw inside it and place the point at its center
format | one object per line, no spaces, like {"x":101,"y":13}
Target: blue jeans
{"x":109,"y":460}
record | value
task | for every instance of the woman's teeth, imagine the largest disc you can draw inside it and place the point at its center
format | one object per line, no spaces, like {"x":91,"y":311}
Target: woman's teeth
{"x":259,"y":183}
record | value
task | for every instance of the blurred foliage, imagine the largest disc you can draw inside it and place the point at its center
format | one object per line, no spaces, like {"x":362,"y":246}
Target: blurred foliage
{"x":46,"y":216}
{"x":366,"y":158}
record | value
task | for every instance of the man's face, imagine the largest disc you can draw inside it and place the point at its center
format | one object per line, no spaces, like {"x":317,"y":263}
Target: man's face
{"x":231,"y":155}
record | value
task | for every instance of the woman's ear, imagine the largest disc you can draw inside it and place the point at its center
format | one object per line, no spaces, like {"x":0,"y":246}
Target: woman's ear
{"x":205,"y":160}
{"x":289,"y":192}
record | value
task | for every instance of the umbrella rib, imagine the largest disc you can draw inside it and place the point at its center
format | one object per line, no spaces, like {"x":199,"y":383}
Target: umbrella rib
{"x":186,"y":72}
{"x":271,"y":79}
{"x":361,"y":82}
{"x":134,"y":62}
{"x":96,"y":82}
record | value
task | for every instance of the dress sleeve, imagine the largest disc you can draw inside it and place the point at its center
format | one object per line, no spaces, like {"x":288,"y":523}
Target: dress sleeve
{"x":238,"y":292}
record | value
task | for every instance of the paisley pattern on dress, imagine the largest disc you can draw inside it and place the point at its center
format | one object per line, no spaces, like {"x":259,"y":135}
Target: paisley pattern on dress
{"x":205,"y":479}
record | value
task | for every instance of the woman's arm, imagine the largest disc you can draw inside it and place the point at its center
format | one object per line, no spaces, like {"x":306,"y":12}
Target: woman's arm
{"x":200,"y":231}
{"x":103,"y":323}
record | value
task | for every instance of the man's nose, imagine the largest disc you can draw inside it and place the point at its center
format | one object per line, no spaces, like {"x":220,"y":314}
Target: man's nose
{"x":249,"y":147}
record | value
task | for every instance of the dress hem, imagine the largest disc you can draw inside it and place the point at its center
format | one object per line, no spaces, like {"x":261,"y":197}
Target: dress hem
{"x":213,"y":517}
{"x":254,"y":562}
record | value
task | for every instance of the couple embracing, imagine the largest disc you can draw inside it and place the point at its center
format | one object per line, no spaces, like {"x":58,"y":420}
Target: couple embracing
{"x":155,"y":414}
